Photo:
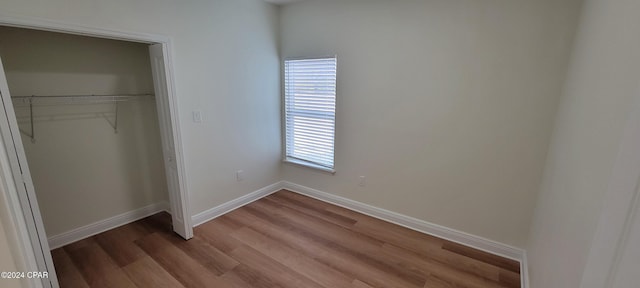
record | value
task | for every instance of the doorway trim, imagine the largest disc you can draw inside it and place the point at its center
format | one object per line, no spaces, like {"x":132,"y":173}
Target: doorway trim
{"x":23,"y":233}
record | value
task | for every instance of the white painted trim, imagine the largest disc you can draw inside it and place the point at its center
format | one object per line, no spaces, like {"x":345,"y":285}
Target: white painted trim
{"x":227,"y":207}
{"x":446,"y":233}
{"x":171,"y":141}
{"x":86,"y":231}
{"x":524,"y":271}
{"x":15,"y":226}
{"x":178,"y":148}
{"x":68,"y":28}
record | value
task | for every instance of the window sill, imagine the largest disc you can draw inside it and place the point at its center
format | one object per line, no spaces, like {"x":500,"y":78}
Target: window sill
{"x":309,"y":165}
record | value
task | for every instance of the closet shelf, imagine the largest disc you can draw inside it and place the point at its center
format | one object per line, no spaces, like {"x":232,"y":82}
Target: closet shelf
{"x":32,"y":100}
{"x":77,"y":99}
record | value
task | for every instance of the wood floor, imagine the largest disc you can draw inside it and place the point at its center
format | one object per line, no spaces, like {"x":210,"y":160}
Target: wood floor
{"x":283,"y":240}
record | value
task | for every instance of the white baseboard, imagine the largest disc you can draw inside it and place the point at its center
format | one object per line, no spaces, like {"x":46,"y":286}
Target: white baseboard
{"x":227,"y":207}
{"x":453,"y":235}
{"x":83,"y":232}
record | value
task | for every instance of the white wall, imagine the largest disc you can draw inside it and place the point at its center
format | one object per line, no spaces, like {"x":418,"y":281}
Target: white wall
{"x":226,"y":65}
{"x":602,"y":83}
{"x":82,"y":170}
{"x":445,"y":106}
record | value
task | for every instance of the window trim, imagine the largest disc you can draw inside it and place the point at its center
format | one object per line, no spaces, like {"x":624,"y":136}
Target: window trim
{"x":307,"y":164}
{"x":293,"y":160}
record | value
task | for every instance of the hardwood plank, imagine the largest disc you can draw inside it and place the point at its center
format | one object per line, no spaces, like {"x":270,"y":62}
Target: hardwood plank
{"x":426,"y":245}
{"x":495,"y":260}
{"x":446,"y":259}
{"x":343,"y":211}
{"x":118,"y":243}
{"x":314,"y":225}
{"x":359,"y":284}
{"x":398,"y":257}
{"x":160,"y":222}
{"x":182,"y":267}
{"x":214,"y":232}
{"x":97,"y":268}
{"x":229,"y":224}
{"x":80,"y":244}
{"x":509,"y":279}
{"x":435,"y":282}
{"x":412,"y":261}
{"x":270,"y":269}
{"x":245,"y":276}
{"x":146,"y":273}
{"x":311,"y":207}
{"x":304,"y":199}
{"x":391,"y":233}
{"x":356,"y":266}
{"x":68,"y":273}
{"x":208,"y":256}
{"x":283,"y":240}
{"x":341,"y":239}
{"x":398,"y":235}
{"x":291,"y":258}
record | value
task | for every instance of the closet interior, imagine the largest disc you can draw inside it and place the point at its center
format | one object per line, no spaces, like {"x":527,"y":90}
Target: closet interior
{"x":88,"y":120}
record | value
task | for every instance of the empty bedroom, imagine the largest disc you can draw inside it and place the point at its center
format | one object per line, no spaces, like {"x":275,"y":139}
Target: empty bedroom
{"x":320,"y":143}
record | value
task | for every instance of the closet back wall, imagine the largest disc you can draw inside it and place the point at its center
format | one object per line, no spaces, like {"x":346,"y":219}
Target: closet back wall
{"x":83,"y":171}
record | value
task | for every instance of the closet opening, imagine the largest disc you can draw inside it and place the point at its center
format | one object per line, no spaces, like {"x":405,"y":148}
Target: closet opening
{"x":90,"y":126}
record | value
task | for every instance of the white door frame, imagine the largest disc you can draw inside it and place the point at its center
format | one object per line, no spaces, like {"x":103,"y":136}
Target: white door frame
{"x":20,"y":191}
{"x":158,"y":55}
{"x":622,"y":199}
{"x":18,"y":212}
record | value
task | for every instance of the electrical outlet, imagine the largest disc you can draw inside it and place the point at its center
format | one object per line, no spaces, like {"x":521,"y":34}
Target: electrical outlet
{"x":363,"y":181}
{"x":239,"y":175}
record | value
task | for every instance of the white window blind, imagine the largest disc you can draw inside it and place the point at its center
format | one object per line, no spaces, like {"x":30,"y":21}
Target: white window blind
{"x":310,"y":110}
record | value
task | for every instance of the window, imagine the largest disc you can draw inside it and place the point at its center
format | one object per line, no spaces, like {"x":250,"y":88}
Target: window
{"x":310,"y":111}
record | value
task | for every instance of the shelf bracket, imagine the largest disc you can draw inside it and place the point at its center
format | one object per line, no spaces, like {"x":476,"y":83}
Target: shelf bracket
{"x":113,"y":124}
{"x":31,"y":135}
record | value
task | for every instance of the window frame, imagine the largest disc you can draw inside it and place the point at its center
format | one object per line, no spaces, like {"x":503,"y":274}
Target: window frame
{"x":294,"y":160}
